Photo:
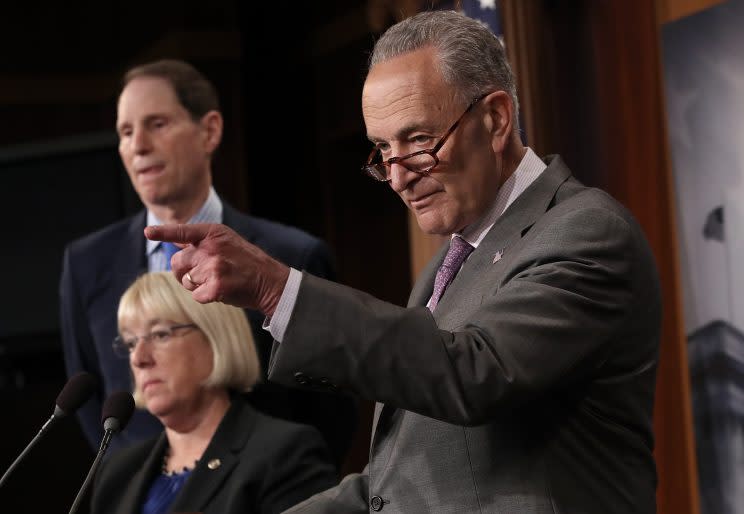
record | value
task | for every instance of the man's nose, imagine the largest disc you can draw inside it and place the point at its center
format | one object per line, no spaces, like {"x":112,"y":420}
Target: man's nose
{"x":401,"y":177}
{"x":141,"y":142}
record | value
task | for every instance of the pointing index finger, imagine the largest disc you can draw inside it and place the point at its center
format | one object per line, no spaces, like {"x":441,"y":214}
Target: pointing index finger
{"x":183,"y":234}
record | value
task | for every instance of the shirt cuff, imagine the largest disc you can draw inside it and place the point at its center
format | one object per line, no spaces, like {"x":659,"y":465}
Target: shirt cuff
{"x":277,"y":324}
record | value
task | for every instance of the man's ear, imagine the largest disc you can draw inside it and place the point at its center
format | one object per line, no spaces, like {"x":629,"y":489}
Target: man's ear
{"x":212,"y":123}
{"x":499,"y":118}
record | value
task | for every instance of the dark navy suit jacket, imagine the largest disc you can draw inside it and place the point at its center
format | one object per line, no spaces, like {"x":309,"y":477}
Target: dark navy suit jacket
{"x":99,"y":267}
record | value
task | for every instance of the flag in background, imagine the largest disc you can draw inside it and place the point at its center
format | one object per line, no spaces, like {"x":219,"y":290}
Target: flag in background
{"x":486,"y":11}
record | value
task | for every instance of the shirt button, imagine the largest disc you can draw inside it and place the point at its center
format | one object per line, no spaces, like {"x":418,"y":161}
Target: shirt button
{"x":376,"y":503}
{"x":301,"y":378}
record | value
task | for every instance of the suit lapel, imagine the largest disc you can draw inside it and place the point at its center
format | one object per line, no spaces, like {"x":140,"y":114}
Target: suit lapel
{"x":219,"y":459}
{"x":527,"y":208}
{"x":238,"y":222}
{"x":136,"y":490}
{"x":130,"y":260}
{"x":506,"y":232}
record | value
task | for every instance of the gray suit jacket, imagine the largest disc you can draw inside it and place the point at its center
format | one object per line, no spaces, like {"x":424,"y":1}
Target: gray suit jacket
{"x":530,"y":388}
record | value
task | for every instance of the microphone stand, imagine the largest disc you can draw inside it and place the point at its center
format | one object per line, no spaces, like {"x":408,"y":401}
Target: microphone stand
{"x":117,"y":409}
{"x":28,"y":447}
{"x":88,"y":479}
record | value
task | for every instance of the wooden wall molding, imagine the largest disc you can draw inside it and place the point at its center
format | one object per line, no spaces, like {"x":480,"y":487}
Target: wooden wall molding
{"x":671,"y":10}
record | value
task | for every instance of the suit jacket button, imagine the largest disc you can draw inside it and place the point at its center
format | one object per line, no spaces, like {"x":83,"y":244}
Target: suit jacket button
{"x":328,"y":384}
{"x":301,"y":378}
{"x":376,"y":503}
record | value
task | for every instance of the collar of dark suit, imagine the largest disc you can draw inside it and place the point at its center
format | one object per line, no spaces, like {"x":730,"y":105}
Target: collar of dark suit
{"x":230,"y":216}
{"x":228,"y":441}
{"x":220,"y":457}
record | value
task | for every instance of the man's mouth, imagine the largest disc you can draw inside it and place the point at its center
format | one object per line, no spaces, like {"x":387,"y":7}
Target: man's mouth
{"x":422,"y":201}
{"x":151,"y":169}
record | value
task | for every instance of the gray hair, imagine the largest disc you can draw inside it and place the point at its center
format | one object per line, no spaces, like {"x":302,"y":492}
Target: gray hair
{"x":471,"y":57}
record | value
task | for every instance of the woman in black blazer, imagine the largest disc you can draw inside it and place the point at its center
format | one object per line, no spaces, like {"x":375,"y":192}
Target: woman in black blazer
{"x":190,"y":362}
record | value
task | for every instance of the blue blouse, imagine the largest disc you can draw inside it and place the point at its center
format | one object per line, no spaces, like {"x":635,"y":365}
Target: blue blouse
{"x":163,"y":491}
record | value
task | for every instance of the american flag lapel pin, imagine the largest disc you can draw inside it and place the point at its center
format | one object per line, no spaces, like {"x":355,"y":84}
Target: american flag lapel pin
{"x":497,"y":256}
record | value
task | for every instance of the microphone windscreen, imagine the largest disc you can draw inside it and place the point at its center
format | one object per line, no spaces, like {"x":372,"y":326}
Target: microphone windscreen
{"x":119,"y":406}
{"x":76,"y":391}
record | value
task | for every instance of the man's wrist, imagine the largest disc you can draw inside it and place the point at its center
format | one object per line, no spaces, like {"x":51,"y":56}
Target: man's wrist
{"x":277,"y":324}
{"x":271,"y":299}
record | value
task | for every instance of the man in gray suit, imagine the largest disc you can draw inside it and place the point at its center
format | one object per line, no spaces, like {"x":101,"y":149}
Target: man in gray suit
{"x":520,"y":378}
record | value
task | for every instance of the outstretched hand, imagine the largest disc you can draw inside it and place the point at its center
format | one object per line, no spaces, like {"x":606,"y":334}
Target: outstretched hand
{"x":217,"y":265}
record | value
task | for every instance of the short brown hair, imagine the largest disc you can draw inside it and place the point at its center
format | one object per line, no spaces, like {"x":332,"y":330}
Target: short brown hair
{"x":193,"y":90}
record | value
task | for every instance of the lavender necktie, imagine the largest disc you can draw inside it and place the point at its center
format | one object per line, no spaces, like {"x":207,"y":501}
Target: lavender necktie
{"x":458,"y":251}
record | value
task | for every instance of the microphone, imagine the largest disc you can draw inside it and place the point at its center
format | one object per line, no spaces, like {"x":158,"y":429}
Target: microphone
{"x":115,"y":414}
{"x":76,"y":391}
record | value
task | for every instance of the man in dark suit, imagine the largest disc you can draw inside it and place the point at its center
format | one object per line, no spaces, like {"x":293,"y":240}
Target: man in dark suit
{"x":521,"y":376}
{"x":169,"y":126}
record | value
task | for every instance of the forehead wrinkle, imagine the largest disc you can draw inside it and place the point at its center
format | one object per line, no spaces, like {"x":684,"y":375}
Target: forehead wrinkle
{"x":423,"y":114}
{"x":144,"y":120}
{"x":400,"y":133}
{"x":147,"y":95}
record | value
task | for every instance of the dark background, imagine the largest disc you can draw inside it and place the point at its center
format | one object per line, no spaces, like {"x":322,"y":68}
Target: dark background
{"x":289,"y":77}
